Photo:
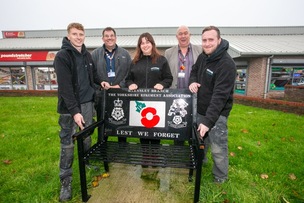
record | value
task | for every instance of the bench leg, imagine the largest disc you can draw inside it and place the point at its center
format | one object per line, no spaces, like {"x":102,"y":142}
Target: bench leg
{"x":106,"y":166}
{"x":198,"y":175}
{"x":82,"y":171}
{"x":190,"y":177}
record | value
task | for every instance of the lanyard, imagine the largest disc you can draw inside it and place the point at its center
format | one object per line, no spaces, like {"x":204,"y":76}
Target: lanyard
{"x":110,"y":58}
{"x":182,"y":59}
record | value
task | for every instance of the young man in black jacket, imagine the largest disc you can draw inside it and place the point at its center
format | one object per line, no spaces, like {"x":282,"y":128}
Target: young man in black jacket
{"x":212,"y":78}
{"x":76,"y":75}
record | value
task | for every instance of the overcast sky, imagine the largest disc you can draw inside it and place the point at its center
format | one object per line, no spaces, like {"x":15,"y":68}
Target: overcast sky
{"x":19,"y":15}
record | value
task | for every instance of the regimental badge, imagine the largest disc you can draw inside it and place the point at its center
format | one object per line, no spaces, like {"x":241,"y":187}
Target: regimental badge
{"x":178,"y":111}
{"x":117,"y":113}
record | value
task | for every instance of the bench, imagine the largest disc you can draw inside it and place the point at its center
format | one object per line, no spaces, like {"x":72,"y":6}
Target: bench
{"x":144,"y":113}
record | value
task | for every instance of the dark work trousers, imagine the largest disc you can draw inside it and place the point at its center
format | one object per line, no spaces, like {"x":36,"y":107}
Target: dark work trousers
{"x":217,"y":140}
{"x":68,"y":129}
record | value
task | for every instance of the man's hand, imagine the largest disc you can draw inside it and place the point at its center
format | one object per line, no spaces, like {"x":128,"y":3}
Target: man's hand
{"x":193,"y":87}
{"x":105,"y":85}
{"x":115,"y":86}
{"x":158,"y":86}
{"x":78,"y":118}
{"x":202,"y":130}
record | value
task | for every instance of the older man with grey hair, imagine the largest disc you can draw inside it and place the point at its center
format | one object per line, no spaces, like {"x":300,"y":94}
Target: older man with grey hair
{"x":181,"y":57}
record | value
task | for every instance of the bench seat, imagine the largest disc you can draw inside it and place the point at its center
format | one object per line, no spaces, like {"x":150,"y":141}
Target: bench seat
{"x":174,"y":156}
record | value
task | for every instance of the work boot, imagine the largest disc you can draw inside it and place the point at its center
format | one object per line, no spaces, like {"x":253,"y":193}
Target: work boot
{"x":66,"y":189}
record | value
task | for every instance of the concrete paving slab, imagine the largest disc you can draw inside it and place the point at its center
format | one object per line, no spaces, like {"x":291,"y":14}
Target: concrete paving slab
{"x":134,"y":184}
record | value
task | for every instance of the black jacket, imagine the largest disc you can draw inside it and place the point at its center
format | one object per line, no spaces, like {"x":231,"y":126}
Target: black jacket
{"x":65,"y":64}
{"x":216,"y":74}
{"x":146,"y":75}
{"x":122,"y":64}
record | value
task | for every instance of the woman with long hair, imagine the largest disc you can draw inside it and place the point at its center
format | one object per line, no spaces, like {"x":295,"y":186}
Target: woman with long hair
{"x":149,"y":69}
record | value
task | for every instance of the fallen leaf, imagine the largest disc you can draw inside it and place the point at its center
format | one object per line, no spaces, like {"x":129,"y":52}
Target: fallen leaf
{"x":240,"y":148}
{"x":95,"y":183}
{"x":295,"y":193}
{"x":7,"y":161}
{"x":99,"y":177}
{"x":264,"y":176}
{"x":105,"y":175}
{"x":244,"y":131}
{"x":292,"y":176}
{"x":232,"y":154}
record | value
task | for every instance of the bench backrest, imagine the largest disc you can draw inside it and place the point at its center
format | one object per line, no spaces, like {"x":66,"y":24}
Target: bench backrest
{"x":148,"y":113}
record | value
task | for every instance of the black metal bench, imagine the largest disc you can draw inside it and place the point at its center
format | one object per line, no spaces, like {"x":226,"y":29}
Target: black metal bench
{"x":145,"y":113}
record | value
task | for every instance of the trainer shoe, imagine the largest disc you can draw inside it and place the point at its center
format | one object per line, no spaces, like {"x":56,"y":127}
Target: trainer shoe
{"x":219,"y":181}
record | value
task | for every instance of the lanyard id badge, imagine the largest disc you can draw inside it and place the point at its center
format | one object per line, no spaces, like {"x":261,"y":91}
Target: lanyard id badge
{"x":111,"y":74}
{"x":181,"y":75}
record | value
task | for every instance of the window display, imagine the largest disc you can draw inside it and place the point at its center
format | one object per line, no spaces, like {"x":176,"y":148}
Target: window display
{"x":45,"y":78}
{"x":281,"y":76}
{"x":240,"y":82}
{"x":13,"y":78}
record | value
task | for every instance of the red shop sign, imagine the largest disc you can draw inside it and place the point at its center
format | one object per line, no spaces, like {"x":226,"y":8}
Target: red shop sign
{"x":28,"y":56}
{"x":14,"y":35}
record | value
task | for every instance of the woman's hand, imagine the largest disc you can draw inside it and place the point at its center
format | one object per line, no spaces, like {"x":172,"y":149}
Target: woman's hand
{"x":158,"y":86}
{"x":133,"y":87}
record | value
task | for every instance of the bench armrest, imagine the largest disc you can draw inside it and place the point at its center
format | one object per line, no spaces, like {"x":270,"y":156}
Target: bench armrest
{"x":88,"y":130}
{"x":196,"y":137}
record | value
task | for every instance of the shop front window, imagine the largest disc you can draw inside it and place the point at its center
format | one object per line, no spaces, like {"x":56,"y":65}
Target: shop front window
{"x":45,"y":78}
{"x":297,"y":76}
{"x":240,"y":82}
{"x":5,"y":79}
{"x":13,"y":78}
{"x":281,"y":76}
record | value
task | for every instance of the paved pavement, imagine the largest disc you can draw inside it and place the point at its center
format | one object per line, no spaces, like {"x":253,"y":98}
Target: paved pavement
{"x":133,"y":184}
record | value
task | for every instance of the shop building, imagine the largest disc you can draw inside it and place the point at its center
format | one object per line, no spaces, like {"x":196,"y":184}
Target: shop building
{"x":268,"y":59}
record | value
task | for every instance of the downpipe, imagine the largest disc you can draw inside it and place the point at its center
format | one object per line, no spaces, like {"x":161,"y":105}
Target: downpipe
{"x":267,"y":77}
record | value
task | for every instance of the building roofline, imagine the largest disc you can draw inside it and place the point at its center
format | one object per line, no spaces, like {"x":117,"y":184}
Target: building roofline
{"x":91,"y":32}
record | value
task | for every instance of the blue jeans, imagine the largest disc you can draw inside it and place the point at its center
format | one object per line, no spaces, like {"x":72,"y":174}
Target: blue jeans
{"x":217,"y":140}
{"x":68,"y":129}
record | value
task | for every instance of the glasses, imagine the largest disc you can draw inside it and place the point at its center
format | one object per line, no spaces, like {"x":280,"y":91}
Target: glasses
{"x":109,"y":36}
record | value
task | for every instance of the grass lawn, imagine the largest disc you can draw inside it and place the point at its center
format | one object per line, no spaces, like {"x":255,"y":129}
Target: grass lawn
{"x":265,"y":152}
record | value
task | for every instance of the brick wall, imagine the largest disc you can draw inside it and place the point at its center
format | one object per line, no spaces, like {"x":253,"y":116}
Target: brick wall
{"x":256,"y":77}
{"x":275,"y":95}
{"x":294,"y":93}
